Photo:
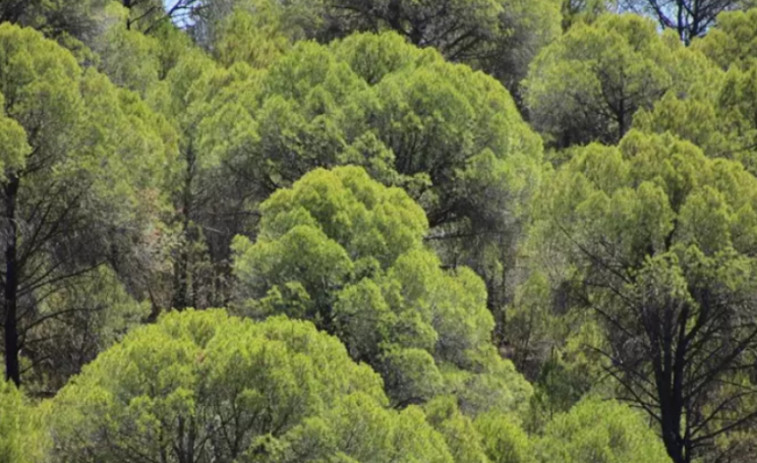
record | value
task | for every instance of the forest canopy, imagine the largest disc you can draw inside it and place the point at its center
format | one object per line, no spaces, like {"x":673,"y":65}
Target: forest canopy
{"x":475,"y":231}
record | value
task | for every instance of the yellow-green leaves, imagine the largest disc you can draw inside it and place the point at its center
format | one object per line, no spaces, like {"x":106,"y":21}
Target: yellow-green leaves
{"x":205,"y":384}
{"x":587,"y":85}
{"x":602,"y":432}
{"x":649,"y":193}
{"x":22,"y":436}
{"x":734,"y":41}
{"x":344,"y":251}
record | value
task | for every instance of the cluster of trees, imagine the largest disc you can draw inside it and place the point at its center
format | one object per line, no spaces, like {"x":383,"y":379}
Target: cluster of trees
{"x":379,"y":230}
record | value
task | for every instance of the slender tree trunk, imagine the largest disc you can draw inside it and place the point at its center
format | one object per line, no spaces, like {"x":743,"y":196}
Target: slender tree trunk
{"x":12,"y":371}
{"x":127,"y":4}
{"x":181,"y":266}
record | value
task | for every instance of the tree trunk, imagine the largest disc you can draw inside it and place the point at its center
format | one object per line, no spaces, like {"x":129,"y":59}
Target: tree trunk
{"x":181,"y":266}
{"x":12,"y":371}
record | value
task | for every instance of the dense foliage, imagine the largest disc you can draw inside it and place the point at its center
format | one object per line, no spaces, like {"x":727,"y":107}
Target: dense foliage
{"x":378,"y":231}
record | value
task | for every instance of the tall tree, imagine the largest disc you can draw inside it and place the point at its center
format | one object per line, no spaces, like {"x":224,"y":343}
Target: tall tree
{"x":733,"y":41}
{"x":659,"y":241}
{"x":717,"y":111}
{"x":78,"y":153}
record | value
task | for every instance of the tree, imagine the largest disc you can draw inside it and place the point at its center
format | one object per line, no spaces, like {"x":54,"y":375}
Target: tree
{"x":347,"y":253}
{"x":601,"y":432}
{"x":498,"y":36}
{"x":256,"y":39}
{"x":689,"y":18}
{"x":79,"y":155}
{"x":74,"y":25}
{"x":188,"y":256}
{"x":733,"y":41}
{"x":574,"y":11}
{"x":658,"y":240}
{"x":503,"y":439}
{"x":218,"y":191}
{"x":451,"y":137}
{"x":587,"y":85}
{"x":203,"y":386}
{"x":717,"y":111}
{"x":458,"y":430}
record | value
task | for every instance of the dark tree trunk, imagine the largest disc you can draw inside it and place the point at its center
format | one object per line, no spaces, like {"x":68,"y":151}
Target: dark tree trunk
{"x":12,"y":371}
{"x":127,"y":4}
{"x":181,"y":266}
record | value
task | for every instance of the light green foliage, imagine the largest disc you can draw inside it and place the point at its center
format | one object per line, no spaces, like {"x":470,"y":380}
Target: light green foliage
{"x":503,"y":440}
{"x":457,"y":429}
{"x":733,"y":42}
{"x":206,"y":387}
{"x":601,"y":432}
{"x":717,"y":114}
{"x":587,"y":85}
{"x":84,"y":113}
{"x":22,"y":438}
{"x":253,"y":38}
{"x":581,"y":11}
{"x":129,"y":58}
{"x":346,"y":252}
{"x":12,"y":141}
{"x":450,"y":136}
{"x":649,"y":196}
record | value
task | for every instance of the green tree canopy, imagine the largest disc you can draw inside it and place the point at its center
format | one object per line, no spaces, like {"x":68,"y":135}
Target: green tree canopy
{"x":601,"y":432}
{"x":499,"y":36}
{"x":587,"y":85}
{"x":733,"y":42}
{"x":84,"y":166}
{"x":503,"y":440}
{"x":717,"y":114}
{"x":346,"y":252}
{"x":203,"y":386}
{"x":658,"y":240}
{"x":450,"y":136}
